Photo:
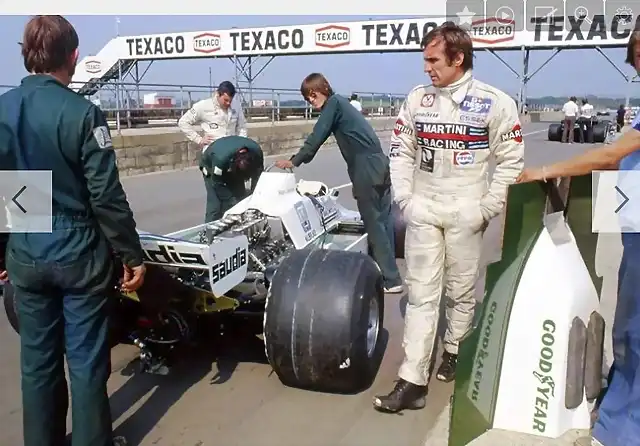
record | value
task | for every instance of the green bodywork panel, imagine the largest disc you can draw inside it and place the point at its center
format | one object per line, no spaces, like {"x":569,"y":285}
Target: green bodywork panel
{"x":481,"y":352}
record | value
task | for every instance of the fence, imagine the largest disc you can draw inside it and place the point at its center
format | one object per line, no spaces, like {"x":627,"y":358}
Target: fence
{"x":139,"y":105}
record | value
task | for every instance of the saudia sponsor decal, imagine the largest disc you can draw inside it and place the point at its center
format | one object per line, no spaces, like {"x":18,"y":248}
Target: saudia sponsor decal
{"x":222,"y":269}
{"x":599,"y":27}
{"x":206,"y":43}
{"x":333,"y":36}
{"x":544,"y":377}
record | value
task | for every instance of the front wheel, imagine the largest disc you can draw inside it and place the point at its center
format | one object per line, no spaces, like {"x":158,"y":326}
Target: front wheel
{"x":323,"y":320}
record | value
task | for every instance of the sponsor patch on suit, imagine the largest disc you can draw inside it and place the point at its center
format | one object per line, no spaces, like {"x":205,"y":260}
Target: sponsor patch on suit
{"x":473,"y":104}
{"x":463,"y":158}
{"x":426,"y":159}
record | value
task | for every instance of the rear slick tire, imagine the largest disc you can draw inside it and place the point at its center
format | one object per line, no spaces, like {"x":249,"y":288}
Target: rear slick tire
{"x":324,"y":319}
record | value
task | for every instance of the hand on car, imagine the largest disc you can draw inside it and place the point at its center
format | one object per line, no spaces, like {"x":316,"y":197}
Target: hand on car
{"x":284,"y":164}
{"x":533,"y":174}
{"x":133,"y":278}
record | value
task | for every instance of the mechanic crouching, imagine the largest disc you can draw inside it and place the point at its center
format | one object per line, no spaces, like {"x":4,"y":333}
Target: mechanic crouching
{"x":63,"y":279}
{"x":225,"y":165}
{"x":367,"y":166}
{"x":446,"y":135}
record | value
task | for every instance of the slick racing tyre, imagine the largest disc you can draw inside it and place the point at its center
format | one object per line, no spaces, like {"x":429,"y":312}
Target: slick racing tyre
{"x":555,"y":132}
{"x":399,"y":230}
{"x":600,"y":133}
{"x":323,"y":321}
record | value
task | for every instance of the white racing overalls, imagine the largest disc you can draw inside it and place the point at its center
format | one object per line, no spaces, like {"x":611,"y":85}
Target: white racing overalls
{"x":439,"y":156}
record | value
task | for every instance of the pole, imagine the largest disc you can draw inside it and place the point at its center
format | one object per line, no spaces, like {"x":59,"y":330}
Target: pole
{"x":210,"y":83}
{"x":119,"y":85}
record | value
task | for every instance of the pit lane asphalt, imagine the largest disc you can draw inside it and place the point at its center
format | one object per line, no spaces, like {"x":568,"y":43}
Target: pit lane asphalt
{"x":229,"y":397}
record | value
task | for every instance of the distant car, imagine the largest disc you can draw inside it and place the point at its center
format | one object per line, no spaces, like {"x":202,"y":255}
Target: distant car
{"x":602,"y":130}
{"x":603,"y":113}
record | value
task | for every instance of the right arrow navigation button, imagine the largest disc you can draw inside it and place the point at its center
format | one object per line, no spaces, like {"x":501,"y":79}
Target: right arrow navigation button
{"x":625,"y":199}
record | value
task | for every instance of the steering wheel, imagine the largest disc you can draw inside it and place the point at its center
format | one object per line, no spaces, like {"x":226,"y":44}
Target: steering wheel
{"x":272,"y":165}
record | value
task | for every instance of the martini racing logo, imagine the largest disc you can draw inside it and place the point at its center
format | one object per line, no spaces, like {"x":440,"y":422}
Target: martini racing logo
{"x":515,"y":134}
{"x":333,"y":36}
{"x":463,"y":158}
{"x":428,"y":100}
{"x":473,"y":104}
{"x":206,"y":43}
{"x":401,"y":127}
{"x":452,"y":136}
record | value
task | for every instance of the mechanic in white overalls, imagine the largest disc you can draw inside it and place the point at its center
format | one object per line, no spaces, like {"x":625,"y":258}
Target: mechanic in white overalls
{"x":217,"y":119}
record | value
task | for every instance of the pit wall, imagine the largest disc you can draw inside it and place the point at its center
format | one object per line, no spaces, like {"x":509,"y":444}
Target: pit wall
{"x":146,"y":150}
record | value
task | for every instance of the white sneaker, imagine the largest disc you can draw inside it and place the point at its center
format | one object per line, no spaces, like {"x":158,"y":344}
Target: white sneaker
{"x":394,"y":289}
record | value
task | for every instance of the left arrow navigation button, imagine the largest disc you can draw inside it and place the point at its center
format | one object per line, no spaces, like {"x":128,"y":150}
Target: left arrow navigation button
{"x":15,"y":199}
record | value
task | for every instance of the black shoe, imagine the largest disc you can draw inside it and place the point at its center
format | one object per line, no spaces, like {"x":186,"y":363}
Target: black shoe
{"x":447,"y":370}
{"x":405,"y":395}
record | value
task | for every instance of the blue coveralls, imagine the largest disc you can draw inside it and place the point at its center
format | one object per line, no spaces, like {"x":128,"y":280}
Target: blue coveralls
{"x":619,"y":413}
{"x":62,"y":279}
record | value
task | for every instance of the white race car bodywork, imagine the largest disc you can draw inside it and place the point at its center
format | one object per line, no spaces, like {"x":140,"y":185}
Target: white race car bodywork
{"x":299,"y":213}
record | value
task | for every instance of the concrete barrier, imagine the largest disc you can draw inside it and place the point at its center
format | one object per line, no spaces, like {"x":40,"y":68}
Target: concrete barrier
{"x":146,"y":150}
{"x":152,"y":150}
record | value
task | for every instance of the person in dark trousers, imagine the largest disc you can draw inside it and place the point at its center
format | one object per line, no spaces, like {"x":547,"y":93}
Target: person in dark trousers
{"x":620,"y":118}
{"x":63,"y":278}
{"x":367,"y":165}
{"x":226,"y":164}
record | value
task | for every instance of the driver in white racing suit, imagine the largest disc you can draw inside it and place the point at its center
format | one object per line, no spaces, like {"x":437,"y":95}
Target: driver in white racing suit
{"x":445,"y":135}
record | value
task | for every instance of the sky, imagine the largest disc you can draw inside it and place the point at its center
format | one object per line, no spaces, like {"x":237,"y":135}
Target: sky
{"x":571,"y":72}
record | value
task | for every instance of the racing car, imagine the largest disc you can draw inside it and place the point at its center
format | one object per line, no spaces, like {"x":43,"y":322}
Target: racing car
{"x":290,"y":255}
{"x":603,"y":131}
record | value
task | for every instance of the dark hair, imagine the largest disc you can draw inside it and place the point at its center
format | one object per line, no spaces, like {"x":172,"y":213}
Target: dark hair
{"x":242,"y":159}
{"x":456,"y":40}
{"x":631,"y":48}
{"x":227,"y":88}
{"x":317,"y":83}
{"x":47,"y":43}
{"x":573,"y":98}
{"x":354,"y":96}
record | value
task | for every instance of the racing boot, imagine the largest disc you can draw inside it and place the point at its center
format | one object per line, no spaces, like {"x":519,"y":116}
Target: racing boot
{"x":447,"y":370}
{"x":405,"y":395}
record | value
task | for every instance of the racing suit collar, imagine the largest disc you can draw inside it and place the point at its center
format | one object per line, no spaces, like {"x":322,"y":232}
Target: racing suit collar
{"x":458,"y":90}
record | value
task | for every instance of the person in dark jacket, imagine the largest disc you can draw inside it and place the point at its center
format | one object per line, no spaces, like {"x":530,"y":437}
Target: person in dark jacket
{"x":226,"y":164}
{"x":620,"y":114}
{"x":367,"y":165}
{"x":62,"y":278}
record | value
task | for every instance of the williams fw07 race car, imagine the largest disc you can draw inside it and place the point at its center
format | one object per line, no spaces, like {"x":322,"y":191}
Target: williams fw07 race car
{"x":291,"y":257}
{"x":603,"y":131}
